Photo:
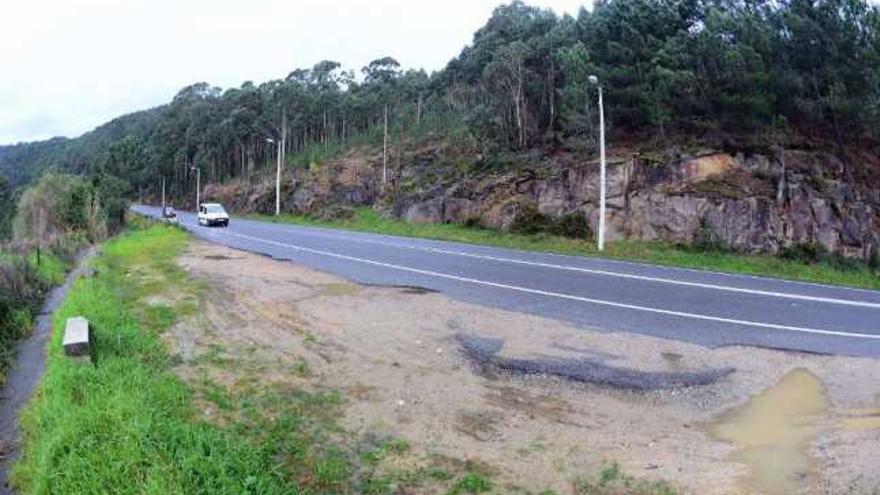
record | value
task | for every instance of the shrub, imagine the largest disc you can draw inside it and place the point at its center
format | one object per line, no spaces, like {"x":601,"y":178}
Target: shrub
{"x":573,"y":225}
{"x":335,"y":212}
{"x":22,"y":290}
{"x":474,"y":222}
{"x":813,"y":253}
{"x":706,"y":239}
{"x":530,"y":221}
{"x":808,"y":253}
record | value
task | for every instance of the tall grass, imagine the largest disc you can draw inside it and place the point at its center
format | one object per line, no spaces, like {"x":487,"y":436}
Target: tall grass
{"x":124,"y":424}
{"x":24,"y":284}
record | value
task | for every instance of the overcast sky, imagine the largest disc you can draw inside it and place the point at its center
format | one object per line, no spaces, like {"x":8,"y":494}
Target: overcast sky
{"x":67,"y":66}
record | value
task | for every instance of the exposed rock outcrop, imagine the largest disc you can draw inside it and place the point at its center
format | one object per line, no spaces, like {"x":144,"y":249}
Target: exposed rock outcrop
{"x":749,"y":202}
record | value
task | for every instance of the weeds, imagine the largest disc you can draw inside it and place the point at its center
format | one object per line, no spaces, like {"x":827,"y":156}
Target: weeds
{"x":472,"y":483}
{"x":23,"y":288}
{"x":613,"y":481}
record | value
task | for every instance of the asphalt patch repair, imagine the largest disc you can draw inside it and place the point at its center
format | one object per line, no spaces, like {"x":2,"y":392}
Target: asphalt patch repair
{"x":484,"y":352}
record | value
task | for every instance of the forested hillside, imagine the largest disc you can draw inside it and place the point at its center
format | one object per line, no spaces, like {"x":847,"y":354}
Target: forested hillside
{"x":753,"y":77}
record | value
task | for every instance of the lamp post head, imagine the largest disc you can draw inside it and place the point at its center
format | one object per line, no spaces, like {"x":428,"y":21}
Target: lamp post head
{"x":593,"y":80}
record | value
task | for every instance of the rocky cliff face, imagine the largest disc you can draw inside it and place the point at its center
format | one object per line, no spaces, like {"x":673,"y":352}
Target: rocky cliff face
{"x":752,"y":203}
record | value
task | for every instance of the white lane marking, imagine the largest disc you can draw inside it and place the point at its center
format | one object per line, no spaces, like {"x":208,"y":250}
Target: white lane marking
{"x":592,"y":271}
{"x":786,"y":295}
{"x":682,"y":314}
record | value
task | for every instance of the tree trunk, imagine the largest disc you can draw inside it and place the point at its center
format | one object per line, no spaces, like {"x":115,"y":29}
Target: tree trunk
{"x":283,"y":136}
{"x":419,"y":111}
{"x":552,"y":95}
{"x":516,"y":103}
{"x":780,"y":189}
{"x":324,"y":138}
{"x":385,"y":148}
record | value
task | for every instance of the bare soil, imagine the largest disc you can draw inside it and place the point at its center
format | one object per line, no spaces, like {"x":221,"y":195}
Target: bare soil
{"x":394,"y":354}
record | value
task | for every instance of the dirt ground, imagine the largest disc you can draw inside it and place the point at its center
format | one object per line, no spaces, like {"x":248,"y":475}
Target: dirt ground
{"x":395,"y":355}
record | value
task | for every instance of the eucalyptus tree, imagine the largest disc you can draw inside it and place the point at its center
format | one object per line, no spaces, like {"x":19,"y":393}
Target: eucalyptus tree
{"x":380,"y":81}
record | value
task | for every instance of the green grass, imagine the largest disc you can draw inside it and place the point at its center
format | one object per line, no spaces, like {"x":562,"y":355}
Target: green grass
{"x":124,"y":423}
{"x":612,"y":480}
{"x":51,"y":267}
{"x":367,"y":220}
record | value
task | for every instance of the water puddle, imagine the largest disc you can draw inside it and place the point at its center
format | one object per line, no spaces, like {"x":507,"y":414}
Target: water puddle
{"x":773,"y":431}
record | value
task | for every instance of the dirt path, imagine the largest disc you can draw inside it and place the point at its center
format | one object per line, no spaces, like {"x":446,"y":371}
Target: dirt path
{"x":396,"y":355}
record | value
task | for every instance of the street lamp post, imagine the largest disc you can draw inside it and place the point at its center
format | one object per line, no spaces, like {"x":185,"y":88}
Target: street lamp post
{"x":198,"y":172}
{"x":277,"y":177}
{"x":601,"y":240}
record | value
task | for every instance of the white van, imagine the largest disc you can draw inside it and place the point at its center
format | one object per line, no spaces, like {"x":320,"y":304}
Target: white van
{"x":213,"y":214}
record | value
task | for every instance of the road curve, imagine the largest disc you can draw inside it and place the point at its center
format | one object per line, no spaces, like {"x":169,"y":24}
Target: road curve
{"x":702,"y":307}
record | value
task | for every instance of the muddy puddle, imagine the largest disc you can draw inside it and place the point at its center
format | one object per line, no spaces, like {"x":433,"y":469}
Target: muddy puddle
{"x":773,"y":432}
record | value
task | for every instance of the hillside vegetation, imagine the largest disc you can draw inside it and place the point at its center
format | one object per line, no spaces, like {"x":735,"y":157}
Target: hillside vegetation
{"x":800,"y":69}
{"x":754,"y":126}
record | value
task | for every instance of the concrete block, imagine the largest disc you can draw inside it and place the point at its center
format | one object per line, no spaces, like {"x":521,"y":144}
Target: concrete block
{"x":76,"y":337}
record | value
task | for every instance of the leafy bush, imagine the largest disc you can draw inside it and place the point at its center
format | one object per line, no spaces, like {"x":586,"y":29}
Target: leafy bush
{"x":530,"y":221}
{"x":56,"y":206}
{"x":474,"y":222}
{"x":573,"y":225}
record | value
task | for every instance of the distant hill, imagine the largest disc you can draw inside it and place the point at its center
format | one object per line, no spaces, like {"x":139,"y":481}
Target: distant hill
{"x":21,"y":163}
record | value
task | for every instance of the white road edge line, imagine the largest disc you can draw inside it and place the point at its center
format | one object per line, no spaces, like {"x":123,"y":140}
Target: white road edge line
{"x":592,"y":271}
{"x":559,"y":295}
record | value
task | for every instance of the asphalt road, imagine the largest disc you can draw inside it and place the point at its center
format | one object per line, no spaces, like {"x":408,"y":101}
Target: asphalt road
{"x":707,"y":308}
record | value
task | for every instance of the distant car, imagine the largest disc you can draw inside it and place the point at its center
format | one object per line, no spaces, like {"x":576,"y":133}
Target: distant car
{"x":169,"y":215}
{"x":213,"y":214}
